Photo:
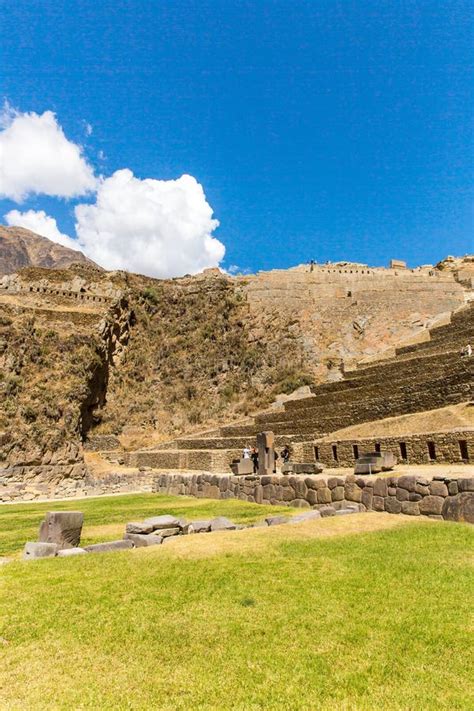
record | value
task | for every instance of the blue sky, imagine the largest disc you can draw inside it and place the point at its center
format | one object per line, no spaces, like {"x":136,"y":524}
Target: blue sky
{"x":327,"y":130}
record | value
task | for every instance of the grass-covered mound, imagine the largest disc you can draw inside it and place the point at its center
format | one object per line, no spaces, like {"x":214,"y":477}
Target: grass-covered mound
{"x":359,"y":612}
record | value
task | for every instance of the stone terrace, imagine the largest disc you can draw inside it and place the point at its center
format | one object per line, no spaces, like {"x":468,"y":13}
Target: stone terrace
{"x":420,"y":377}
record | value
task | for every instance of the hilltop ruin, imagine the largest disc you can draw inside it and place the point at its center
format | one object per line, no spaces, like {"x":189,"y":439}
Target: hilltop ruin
{"x":137,"y":367}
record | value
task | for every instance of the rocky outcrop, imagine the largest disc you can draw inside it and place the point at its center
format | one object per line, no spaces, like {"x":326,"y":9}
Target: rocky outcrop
{"x":21,"y":248}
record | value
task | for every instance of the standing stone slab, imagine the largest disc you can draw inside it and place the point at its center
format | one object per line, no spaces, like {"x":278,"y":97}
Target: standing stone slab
{"x":266,"y":453}
{"x":34,"y":550}
{"x":62,"y":527}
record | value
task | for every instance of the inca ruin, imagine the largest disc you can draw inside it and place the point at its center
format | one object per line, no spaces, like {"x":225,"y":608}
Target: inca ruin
{"x":111,"y":380}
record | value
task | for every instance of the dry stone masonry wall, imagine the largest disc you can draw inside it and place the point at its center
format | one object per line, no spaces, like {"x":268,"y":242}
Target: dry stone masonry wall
{"x":435,"y":448}
{"x":441,"y":497}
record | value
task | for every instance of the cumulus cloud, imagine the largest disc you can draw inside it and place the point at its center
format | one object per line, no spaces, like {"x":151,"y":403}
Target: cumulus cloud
{"x":42,"y":224}
{"x":161,"y":228}
{"x":36,"y":157}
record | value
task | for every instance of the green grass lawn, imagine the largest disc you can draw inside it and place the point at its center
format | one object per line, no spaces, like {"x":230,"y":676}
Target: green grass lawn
{"x":359,"y":612}
{"x":105,"y":517}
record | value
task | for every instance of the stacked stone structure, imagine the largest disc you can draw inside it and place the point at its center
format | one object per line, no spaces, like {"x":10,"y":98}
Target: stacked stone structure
{"x":441,"y":497}
{"x":421,"y":377}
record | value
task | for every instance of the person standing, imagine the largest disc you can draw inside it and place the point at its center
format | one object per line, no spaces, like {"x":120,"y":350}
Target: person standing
{"x":254,"y":458}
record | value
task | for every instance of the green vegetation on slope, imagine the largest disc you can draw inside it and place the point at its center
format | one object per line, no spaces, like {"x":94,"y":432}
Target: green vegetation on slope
{"x":281,"y":618}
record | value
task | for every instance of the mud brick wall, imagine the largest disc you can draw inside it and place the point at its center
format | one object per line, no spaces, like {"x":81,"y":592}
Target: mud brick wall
{"x":436,"y":448}
{"x":441,"y":498}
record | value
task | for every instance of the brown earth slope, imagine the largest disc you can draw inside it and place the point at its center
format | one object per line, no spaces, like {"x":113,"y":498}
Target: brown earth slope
{"x":21,"y":248}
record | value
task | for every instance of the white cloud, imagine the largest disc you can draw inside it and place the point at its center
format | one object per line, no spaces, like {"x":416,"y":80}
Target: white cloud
{"x":161,"y":228}
{"x":42,"y":224}
{"x":36,"y":157}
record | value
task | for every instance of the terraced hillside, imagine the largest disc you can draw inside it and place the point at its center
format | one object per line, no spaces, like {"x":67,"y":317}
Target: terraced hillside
{"x":86,"y":353}
{"x":419,"y":378}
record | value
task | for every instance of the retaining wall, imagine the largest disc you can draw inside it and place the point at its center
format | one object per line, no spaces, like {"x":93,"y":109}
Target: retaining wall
{"x":435,"y":448}
{"x":35,"y":490}
{"x":448,"y":498}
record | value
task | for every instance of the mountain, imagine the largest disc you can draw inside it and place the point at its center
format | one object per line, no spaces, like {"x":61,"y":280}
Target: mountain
{"x":22,"y":248}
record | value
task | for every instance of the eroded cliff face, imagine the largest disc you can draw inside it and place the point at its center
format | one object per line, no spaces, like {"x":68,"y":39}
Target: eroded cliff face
{"x":84,"y":351}
{"x":59,"y":335}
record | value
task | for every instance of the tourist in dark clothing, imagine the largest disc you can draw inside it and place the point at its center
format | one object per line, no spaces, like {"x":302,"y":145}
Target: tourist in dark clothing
{"x":285,"y":454}
{"x":254,"y":458}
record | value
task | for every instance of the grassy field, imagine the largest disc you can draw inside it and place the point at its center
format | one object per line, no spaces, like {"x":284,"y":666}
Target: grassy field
{"x":105,"y":517}
{"x":360,"y":612}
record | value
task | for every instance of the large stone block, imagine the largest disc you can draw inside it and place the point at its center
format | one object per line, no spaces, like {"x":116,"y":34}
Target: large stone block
{"x":327,"y":511}
{"x":221,"y":523}
{"x":380,"y":487}
{"x":139,"y":527}
{"x":312,"y":497}
{"x":62,"y":527}
{"x":300,"y":504}
{"x":466,"y":484}
{"x":378,"y":503}
{"x":160,"y":522}
{"x":70,"y":552}
{"x":140,"y":540}
{"x":306,"y":516}
{"x":337,"y":493}
{"x":393,"y":505}
{"x":459,"y":507}
{"x":406,"y":482}
{"x":367,"y":497}
{"x":411,"y":508}
{"x":324,"y":496}
{"x":431,"y":505}
{"x":403,"y":494}
{"x":201,"y":526}
{"x":109,"y":546}
{"x":34,"y":550}
{"x":352,"y":492}
{"x":438,"y":488}
{"x":334,"y":481}
{"x":276,"y":520}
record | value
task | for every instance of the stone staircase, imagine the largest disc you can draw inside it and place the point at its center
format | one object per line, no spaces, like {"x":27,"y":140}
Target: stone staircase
{"x":423,"y":376}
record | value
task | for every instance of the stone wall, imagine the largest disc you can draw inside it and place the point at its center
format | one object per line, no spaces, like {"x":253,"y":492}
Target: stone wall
{"x":441,"y":497}
{"x":101,"y":442}
{"x":435,"y":448}
{"x":217,"y":460}
{"x":37,"y":490}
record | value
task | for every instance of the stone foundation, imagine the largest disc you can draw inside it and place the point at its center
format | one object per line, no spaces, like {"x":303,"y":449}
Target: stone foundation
{"x":412,"y":495}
